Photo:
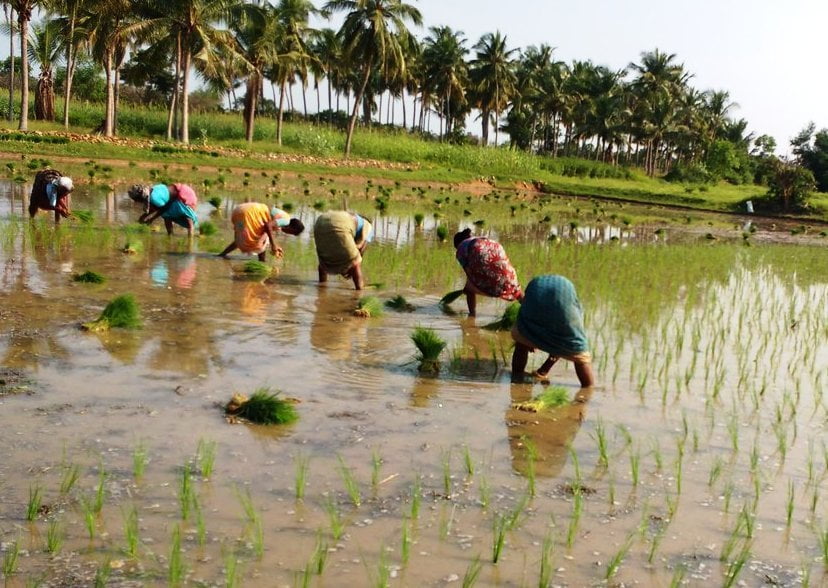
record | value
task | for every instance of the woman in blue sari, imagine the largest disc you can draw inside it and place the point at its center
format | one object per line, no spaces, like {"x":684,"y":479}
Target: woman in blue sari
{"x":551,"y":319}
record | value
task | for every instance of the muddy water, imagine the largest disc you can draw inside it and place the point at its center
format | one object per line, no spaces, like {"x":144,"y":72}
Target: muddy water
{"x":711,"y":382}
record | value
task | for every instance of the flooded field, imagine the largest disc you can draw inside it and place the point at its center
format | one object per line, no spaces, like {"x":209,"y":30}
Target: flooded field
{"x":699,"y":459}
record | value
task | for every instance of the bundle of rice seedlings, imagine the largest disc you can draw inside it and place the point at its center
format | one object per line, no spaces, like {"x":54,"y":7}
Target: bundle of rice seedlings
{"x":207,"y":228}
{"x":215,"y":201}
{"x":429,"y":346}
{"x":368,"y":306}
{"x":507,"y":321}
{"x":256,"y":269}
{"x":84,"y":216}
{"x":419,"y":217}
{"x":399,"y":303}
{"x":450,"y":297}
{"x":89,"y":277}
{"x":121,"y":313}
{"x":551,"y":397}
{"x":263,"y":407}
{"x":442,"y":233}
{"x":132,"y":246}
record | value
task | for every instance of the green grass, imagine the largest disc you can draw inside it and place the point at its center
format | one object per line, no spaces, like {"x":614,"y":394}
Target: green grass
{"x":121,"y":313}
{"x":266,"y":408}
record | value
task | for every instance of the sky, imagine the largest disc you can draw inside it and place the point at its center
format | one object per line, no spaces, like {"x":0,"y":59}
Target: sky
{"x":770,"y":55}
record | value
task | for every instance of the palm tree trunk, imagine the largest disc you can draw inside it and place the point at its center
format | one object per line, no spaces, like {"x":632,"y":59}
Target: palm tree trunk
{"x":172,"y":118}
{"x":305,"y":99}
{"x":185,"y":98}
{"x":10,"y":18}
{"x":366,"y":76}
{"x":281,"y":111}
{"x":402,"y":100}
{"x":485,"y":127}
{"x":23,"y":21}
{"x":70,"y":67}
{"x":318,"y":100}
{"x":107,"y":127}
{"x":250,"y":105}
{"x":116,"y":100}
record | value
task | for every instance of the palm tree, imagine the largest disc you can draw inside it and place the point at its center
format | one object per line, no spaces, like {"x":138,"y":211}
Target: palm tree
{"x":445,"y":73}
{"x":24,"y":10}
{"x":256,"y":35}
{"x":8,"y":10}
{"x":328,"y":52}
{"x":373,"y":36}
{"x":493,"y":78}
{"x":67,"y":13}
{"x":45,"y":47}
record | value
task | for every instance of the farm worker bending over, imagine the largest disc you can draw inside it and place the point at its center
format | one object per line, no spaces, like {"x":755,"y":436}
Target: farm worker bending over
{"x":51,"y":191}
{"x":175,"y":203}
{"x":254,"y":225}
{"x":341,"y":238}
{"x":551,"y":319}
{"x":488,"y":270}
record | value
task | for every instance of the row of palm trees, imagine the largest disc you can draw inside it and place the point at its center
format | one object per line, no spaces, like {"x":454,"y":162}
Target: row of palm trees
{"x":648,"y":109}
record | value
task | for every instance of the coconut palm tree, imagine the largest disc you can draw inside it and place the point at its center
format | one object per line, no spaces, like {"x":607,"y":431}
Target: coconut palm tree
{"x":445,"y":73}
{"x":67,"y":13}
{"x":45,"y":48}
{"x":24,"y":10}
{"x":8,"y":11}
{"x":328,"y":52}
{"x":492,"y":78}
{"x":373,"y":36}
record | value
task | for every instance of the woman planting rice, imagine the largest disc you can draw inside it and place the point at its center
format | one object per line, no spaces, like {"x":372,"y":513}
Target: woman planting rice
{"x":488,"y":270}
{"x":175,"y":203}
{"x":551,"y":319}
{"x":341,"y":238}
{"x":51,"y":191}
{"x":254,"y":225}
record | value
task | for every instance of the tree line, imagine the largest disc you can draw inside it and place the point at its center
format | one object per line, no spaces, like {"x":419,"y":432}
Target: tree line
{"x":647,"y":114}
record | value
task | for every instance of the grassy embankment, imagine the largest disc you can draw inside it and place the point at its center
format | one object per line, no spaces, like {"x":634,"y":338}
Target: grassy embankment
{"x":218,"y":140}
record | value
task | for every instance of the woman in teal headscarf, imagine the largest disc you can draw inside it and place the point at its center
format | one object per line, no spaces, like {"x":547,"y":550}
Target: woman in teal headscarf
{"x":175,"y":204}
{"x":551,"y":319}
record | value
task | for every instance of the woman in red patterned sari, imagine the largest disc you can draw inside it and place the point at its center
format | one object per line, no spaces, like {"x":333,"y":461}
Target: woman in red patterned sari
{"x":488,"y":270}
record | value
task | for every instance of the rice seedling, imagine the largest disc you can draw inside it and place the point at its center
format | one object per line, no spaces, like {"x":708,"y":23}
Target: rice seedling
{"x":715,"y":471}
{"x":789,"y":505}
{"x":263,"y":407}
{"x":201,"y":524}
{"x":258,"y":537}
{"x":132,"y":246}
{"x":89,"y":277}
{"x":416,"y":497}
{"x":484,"y":492}
{"x":400,"y":304}
{"x":185,"y":492}
{"x":551,"y":397}
{"x":618,"y":557}
{"x":351,"y":484}
{"x":35,"y":502}
{"x":206,"y":457}
{"x":89,"y":517}
{"x":71,"y":473}
{"x":231,"y":570}
{"x":499,"y":528}
{"x":545,"y":574}
{"x":405,"y":543}
{"x":10,"y":558}
{"x":655,"y":542}
{"x":515,"y":516}
{"x":576,"y":466}
{"x":575,"y":518}
{"x":600,"y":437}
{"x":84,"y":216}
{"x":139,"y":461}
{"x":121,"y":313}
{"x":507,"y":320}
{"x":215,"y":201}
{"x":446,"y":461}
{"x":450,"y":297}
{"x":376,"y":466}
{"x":102,"y":574}
{"x":822,"y":537}
{"x":442,"y":233}
{"x":734,"y":567}
{"x":429,"y":346}
{"x":368,"y":306}
{"x":256,"y":270}
{"x":302,"y":464}
{"x":176,"y":570}
{"x":468,"y":462}
{"x":131,"y":531}
{"x":320,"y":555}
{"x":334,"y":519}
{"x":207,"y":228}
{"x":678,"y":577}
{"x":446,"y":522}
{"x":472,"y":572}
{"x":55,"y":534}
{"x":635,"y":463}
{"x":419,"y":217}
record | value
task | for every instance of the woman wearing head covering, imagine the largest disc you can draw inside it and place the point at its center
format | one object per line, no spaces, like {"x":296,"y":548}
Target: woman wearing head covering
{"x":175,"y":203}
{"x":254,"y":225}
{"x":341,"y":238}
{"x":51,"y":191}
{"x":551,"y":319}
{"x":488,"y":270}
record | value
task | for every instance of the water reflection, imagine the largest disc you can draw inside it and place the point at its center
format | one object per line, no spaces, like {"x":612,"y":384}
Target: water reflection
{"x":543,"y":437}
{"x":183,"y":267}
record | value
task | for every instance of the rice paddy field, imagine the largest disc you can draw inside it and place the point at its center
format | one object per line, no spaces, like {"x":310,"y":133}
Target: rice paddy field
{"x":699,"y":459}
